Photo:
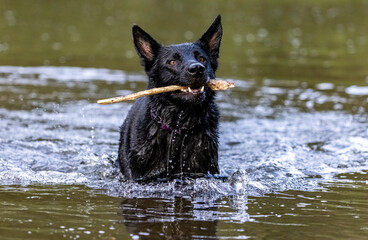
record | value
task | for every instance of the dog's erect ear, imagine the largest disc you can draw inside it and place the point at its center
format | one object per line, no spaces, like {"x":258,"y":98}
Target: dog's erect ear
{"x":146,"y":46}
{"x":211,"y":39}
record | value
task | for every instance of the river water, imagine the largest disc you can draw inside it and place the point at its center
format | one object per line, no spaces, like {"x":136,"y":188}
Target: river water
{"x":290,"y":167}
{"x":293,"y":133}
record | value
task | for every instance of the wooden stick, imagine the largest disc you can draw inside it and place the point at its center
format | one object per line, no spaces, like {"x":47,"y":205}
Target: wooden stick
{"x":214,"y":84}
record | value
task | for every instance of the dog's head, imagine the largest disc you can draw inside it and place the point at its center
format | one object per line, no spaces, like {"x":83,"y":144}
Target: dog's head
{"x":186,"y":64}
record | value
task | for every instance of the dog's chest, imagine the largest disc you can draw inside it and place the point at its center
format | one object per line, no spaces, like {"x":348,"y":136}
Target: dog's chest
{"x":176,"y":145}
{"x":178,"y":154}
{"x":178,"y":150}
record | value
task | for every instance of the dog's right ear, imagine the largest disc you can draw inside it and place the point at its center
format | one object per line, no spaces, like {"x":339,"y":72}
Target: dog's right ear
{"x":146,"y":47}
{"x":211,"y":41}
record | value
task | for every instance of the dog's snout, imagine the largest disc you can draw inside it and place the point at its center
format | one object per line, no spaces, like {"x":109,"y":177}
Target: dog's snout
{"x":196,"y":69}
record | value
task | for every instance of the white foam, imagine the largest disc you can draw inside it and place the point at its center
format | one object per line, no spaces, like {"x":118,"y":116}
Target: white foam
{"x":357,"y":90}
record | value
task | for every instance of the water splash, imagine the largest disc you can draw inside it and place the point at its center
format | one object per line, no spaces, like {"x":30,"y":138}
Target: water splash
{"x":274,"y":142}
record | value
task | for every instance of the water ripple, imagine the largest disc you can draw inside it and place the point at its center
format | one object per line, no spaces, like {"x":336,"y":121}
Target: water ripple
{"x":275,"y":135}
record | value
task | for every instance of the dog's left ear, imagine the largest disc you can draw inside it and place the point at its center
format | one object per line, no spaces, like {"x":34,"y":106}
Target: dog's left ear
{"x":211,"y":40}
{"x":147,"y":47}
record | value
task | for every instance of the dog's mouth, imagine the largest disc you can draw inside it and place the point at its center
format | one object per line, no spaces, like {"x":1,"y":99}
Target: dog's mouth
{"x":191,"y":93}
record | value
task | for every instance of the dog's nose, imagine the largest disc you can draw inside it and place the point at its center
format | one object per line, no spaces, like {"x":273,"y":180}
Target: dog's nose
{"x":196,"y":69}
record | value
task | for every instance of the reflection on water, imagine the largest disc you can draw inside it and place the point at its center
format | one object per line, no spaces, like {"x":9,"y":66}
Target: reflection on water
{"x":336,"y":210}
{"x":177,"y":218}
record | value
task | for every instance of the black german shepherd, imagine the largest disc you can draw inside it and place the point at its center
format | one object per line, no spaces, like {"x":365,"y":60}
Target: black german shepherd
{"x":173,"y":135}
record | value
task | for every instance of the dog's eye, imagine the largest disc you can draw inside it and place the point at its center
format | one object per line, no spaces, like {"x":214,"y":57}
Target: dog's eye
{"x":202,"y":59}
{"x":172,"y":62}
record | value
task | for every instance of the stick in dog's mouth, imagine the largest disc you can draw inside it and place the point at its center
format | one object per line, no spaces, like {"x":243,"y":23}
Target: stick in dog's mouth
{"x":214,"y":84}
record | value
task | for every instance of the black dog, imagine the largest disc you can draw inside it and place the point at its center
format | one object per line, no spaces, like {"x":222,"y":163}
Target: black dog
{"x":175,"y":134}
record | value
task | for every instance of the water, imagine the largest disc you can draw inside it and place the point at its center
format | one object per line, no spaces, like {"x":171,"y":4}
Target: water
{"x":339,"y":211}
{"x":59,"y":146}
{"x":293,"y":133}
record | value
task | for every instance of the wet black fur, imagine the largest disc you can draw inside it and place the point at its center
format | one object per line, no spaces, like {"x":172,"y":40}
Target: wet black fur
{"x":173,"y":135}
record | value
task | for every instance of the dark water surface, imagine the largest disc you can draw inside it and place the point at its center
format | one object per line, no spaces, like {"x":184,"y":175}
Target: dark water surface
{"x":294,"y":136}
{"x":338,"y":211}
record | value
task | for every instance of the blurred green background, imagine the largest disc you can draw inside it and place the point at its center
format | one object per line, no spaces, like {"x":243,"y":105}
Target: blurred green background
{"x":314,"y":41}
